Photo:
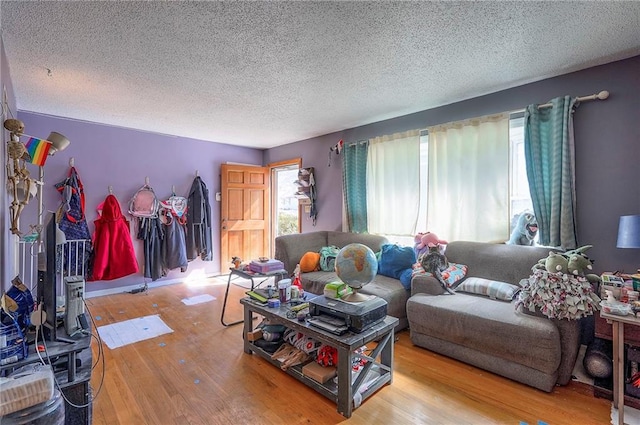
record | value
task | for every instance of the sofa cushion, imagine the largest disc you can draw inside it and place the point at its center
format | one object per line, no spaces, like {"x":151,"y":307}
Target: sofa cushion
{"x":493,"y":289}
{"x":291,"y":248}
{"x":488,"y":326}
{"x":392,"y":291}
{"x":503,"y":262}
{"x":342,"y":239}
{"x":314,"y":282}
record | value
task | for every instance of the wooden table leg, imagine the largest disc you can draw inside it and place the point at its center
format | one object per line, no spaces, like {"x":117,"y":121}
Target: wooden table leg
{"x":386,"y":357}
{"x":345,"y":395}
{"x":618,"y":369}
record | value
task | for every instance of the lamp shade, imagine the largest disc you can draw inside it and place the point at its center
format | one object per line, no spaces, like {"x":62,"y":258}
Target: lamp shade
{"x":58,"y":142}
{"x":629,"y":232}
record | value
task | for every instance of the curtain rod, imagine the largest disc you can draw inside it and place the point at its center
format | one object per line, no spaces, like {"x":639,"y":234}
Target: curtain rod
{"x":599,"y":96}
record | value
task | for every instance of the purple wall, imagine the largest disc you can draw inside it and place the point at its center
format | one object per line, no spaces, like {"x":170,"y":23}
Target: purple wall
{"x":607,"y":150}
{"x":122,"y":158}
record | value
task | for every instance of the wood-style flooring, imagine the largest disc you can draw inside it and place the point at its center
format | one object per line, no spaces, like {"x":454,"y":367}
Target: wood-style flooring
{"x":199,"y":374}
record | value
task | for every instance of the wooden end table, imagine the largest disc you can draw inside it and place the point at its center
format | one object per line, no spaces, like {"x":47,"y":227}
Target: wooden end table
{"x":377,"y":372}
{"x":618,"y":323}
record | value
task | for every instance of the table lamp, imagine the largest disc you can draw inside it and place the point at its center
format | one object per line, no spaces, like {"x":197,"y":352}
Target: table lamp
{"x":629,"y":232}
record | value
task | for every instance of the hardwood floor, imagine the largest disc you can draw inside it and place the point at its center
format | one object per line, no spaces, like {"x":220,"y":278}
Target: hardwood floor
{"x":199,"y":374}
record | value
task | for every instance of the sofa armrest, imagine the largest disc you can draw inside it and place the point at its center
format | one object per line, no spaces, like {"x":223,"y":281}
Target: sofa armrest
{"x":423,"y":284}
{"x":570,"y":345}
{"x":569,"y":331}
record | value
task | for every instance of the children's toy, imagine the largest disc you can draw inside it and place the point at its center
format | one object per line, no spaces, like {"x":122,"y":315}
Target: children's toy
{"x":425,"y":240}
{"x":525,"y":230}
{"x":555,"y":291}
{"x":579,"y":263}
{"x":310,"y":262}
{"x":556,"y":263}
{"x":297,"y":282}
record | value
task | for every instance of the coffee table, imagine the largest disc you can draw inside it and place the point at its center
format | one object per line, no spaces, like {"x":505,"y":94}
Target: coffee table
{"x":253,"y":277}
{"x":377,"y":372}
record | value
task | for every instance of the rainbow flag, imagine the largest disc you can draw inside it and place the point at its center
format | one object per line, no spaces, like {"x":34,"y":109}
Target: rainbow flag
{"x":38,"y":150}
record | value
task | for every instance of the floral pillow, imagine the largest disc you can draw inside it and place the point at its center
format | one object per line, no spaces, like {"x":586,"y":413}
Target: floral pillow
{"x":493,"y":289}
{"x":451,"y":275}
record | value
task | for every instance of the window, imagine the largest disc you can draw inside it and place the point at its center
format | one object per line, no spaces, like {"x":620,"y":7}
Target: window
{"x":285,"y":208}
{"x":519,"y":198}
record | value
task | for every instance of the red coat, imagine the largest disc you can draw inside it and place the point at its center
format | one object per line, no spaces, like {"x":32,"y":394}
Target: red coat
{"x":113,"y":254}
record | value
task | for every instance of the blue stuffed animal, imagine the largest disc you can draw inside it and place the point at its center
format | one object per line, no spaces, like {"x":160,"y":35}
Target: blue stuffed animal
{"x":525,"y":230}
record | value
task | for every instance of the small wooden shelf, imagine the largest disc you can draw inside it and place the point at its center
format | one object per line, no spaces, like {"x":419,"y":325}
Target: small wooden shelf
{"x":329,"y":389}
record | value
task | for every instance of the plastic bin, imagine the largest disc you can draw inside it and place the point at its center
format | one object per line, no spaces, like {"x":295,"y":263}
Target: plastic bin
{"x":51,"y":412}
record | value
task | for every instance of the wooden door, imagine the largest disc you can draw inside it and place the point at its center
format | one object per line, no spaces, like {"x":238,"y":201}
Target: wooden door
{"x":245,"y":213}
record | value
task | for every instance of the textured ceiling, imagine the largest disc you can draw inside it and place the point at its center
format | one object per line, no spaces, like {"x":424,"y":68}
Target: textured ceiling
{"x":262,"y":74}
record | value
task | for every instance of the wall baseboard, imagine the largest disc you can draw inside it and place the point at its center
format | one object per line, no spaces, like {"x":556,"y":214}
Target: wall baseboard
{"x":128,"y":288}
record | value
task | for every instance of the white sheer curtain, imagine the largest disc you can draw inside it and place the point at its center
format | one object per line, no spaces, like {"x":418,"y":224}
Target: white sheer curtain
{"x":468,"y":195}
{"x":393,"y":184}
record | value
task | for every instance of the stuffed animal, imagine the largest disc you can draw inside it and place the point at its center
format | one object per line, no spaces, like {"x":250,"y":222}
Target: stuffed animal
{"x":310,"y":262}
{"x":573,"y":262}
{"x":555,"y":263}
{"x":525,"y":230}
{"x":579,"y":264}
{"x":425,"y":240}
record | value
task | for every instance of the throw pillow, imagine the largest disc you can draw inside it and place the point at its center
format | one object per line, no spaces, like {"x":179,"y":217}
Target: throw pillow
{"x":453,"y":274}
{"x":491,"y":288}
{"x":395,"y":259}
{"x":310,"y":262}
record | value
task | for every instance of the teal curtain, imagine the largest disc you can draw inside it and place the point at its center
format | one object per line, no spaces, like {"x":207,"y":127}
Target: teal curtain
{"x":354,"y":185}
{"x":550,"y":162}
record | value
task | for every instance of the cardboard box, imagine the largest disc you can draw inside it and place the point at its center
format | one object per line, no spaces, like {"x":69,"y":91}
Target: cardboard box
{"x":254,"y":335}
{"x":266,"y":267}
{"x":318,"y":372}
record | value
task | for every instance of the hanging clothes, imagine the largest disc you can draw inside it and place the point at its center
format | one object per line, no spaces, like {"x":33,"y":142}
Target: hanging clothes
{"x":173,"y":214}
{"x":151,"y":232}
{"x":71,"y":219}
{"x":114,"y":256}
{"x":199,"y":222}
{"x":174,"y":245}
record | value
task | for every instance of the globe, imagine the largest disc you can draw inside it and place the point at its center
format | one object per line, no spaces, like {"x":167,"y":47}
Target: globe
{"x":356,"y":265}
